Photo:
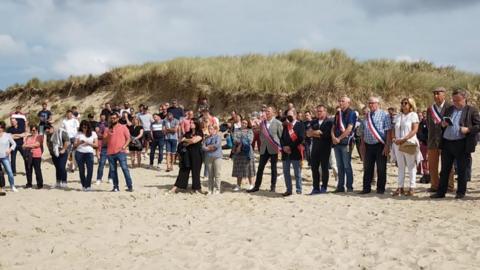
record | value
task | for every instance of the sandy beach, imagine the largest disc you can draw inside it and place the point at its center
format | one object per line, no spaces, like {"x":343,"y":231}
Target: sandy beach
{"x":149,"y":229}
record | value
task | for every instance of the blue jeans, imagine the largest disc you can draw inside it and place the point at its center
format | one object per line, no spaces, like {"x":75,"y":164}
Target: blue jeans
{"x":171,"y":145}
{"x":288,"y":178}
{"x":60,"y":164}
{"x":157,"y":142}
{"x":101,"y":165}
{"x":344,"y":166}
{"x":8,"y":168}
{"x":122,"y":159}
{"x":85,"y":159}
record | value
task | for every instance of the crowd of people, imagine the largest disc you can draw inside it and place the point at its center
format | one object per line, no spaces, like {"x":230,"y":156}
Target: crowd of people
{"x":416,"y":141}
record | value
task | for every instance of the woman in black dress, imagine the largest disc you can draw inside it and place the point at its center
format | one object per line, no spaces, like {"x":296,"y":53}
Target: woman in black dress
{"x":190,"y":153}
{"x":136,"y":145}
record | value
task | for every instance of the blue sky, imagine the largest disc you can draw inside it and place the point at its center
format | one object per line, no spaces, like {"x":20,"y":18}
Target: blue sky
{"x":52,"y":39}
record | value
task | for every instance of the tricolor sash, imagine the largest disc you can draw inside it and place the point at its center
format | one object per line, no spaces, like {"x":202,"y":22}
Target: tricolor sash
{"x":436,"y":116}
{"x":269,"y":137}
{"x":294,"y":137}
{"x":340,"y":124}
{"x":373,"y":129}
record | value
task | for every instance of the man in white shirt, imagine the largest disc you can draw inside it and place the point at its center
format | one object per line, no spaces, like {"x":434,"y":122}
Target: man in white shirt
{"x":70,"y":124}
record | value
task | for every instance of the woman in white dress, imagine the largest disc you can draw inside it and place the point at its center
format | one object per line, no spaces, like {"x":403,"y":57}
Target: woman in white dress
{"x":406,"y":145}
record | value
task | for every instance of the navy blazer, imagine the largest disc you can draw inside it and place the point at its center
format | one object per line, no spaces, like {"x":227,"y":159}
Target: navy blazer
{"x":285,"y":140}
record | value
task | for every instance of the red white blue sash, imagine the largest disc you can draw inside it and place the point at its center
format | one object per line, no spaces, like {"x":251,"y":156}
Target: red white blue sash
{"x":340,"y":124}
{"x":436,"y":116}
{"x":373,"y":129}
{"x":269,"y":138}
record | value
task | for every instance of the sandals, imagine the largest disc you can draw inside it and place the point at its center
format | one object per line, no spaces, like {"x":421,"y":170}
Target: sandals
{"x":409,"y":192}
{"x":398,"y":192}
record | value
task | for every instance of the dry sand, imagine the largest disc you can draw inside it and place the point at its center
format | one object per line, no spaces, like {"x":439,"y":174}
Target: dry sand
{"x":148,"y":229}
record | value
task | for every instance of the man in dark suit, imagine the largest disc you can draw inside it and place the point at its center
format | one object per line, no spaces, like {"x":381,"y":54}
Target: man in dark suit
{"x":460,"y":127}
{"x":321,"y":149}
{"x":435,"y":114}
{"x":270,"y":132}
{"x":292,"y":151}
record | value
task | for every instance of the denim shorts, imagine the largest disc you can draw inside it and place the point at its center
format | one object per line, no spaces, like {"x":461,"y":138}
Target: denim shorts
{"x":171,"y":145}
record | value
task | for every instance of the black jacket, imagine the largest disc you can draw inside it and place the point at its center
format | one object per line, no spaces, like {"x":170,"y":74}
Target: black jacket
{"x":471,"y":119}
{"x":324,"y":143}
{"x":285,"y":140}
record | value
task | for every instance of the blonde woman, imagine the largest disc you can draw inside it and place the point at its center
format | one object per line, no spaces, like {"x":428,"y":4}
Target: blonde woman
{"x":406,"y":145}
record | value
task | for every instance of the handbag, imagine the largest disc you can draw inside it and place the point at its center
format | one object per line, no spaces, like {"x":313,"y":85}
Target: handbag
{"x":407,"y":147}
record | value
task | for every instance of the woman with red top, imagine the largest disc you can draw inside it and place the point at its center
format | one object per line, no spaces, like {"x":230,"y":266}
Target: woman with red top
{"x":33,"y":156}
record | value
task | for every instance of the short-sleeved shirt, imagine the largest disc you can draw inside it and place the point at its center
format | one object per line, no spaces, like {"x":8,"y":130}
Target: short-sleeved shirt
{"x":403,"y":125}
{"x":146,"y":119}
{"x":185,"y":124}
{"x":157,"y":129}
{"x":12,"y":130}
{"x":176,"y":111}
{"x":106,"y":112}
{"x":43,"y":116}
{"x":71,"y":127}
{"x":117,"y":138}
{"x":382,"y":122}
{"x":171,"y":124}
{"x":85,"y":148}
{"x":349,"y":117}
{"x":37,"y":151}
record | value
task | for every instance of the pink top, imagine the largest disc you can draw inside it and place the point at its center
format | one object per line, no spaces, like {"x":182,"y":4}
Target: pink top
{"x":185,"y":124}
{"x":37,"y":151}
{"x":117,"y":138}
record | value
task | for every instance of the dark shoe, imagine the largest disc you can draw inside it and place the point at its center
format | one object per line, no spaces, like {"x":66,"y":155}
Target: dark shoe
{"x":431,"y":190}
{"x":380,"y":192}
{"x":115,"y":190}
{"x":459,"y":196}
{"x":255,"y":189}
{"x":28,"y":186}
{"x":349,"y":189}
{"x":339,"y":190}
{"x":130,"y":189}
{"x":363,"y":192}
{"x":437,"y":196}
{"x":299,"y":192}
{"x":39,"y":187}
{"x":272,"y":190}
{"x":315,"y":192}
{"x":286,"y":194}
{"x":2,"y":193}
{"x":427,"y":179}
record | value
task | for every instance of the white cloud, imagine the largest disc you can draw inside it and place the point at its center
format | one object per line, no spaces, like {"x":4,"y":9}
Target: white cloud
{"x":9,"y":46}
{"x":81,"y":61}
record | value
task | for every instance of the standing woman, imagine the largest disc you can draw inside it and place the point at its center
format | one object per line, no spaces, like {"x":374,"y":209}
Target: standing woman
{"x":406,"y":145}
{"x":33,"y":156}
{"x":136,"y":145}
{"x":243,"y":156}
{"x":7,"y":145}
{"x":85,"y":143}
{"x":190,"y":151}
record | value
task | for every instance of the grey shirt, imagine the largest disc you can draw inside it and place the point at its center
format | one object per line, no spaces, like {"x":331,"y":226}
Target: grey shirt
{"x":6,"y":141}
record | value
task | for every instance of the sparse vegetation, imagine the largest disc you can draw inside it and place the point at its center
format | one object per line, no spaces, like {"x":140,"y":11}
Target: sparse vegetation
{"x":244,"y":82}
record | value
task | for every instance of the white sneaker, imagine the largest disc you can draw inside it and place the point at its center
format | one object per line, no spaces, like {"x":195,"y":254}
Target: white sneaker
{"x":251,"y":187}
{"x":98,"y":182}
{"x":158,"y":166}
{"x":88,"y":189}
{"x":110,"y":180}
{"x":236,"y":188}
{"x":14,"y":189}
{"x":63,"y":184}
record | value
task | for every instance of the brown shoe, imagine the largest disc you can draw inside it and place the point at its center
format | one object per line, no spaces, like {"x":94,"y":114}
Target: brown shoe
{"x":397,"y":192}
{"x":409,"y":192}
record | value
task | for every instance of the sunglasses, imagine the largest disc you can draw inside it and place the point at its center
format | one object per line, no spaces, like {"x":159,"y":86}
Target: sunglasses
{"x":404,"y":103}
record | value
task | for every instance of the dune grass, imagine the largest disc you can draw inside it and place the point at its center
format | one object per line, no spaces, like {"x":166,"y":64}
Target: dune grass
{"x":244,"y":82}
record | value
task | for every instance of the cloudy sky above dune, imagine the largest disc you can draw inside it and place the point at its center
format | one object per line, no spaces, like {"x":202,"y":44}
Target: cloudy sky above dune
{"x":51,"y":39}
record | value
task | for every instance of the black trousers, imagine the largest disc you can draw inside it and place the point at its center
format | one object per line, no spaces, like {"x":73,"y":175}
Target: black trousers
{"x":320,"y":157}
{"x":374,"y":155}
{"x":35,"y":165}
{"x":451,"y":151}
{"x":195,"y":167}
{"x":261,"y":167}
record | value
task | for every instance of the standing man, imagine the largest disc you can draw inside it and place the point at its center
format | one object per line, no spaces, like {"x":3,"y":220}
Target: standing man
{"x":342,"y":137}
{"x":320,"y":134}
{"x":292,"y":151}
{"x":117,"y":138}
{"x":377,"y":138}
{"x":270,"y":132}
{"x":45,"y":118}
{"x":18,"y":134}
{"x":70,"y":124}
{"x":107,"y":110}
{"x":146,"y":119}
{"x":460,"y":125}
{"x":435,"y":115}
{"x":175,"y":110}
